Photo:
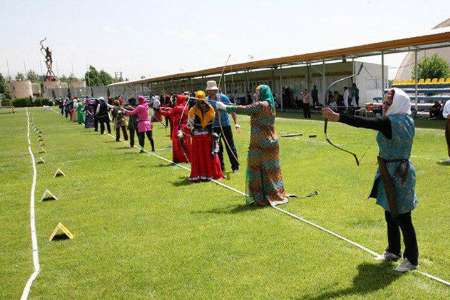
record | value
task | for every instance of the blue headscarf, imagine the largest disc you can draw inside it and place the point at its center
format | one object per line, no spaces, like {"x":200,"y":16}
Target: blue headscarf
{"x":265,"y":94}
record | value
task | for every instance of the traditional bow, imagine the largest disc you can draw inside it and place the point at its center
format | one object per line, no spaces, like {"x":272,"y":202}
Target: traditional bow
{"x":325,"y":125}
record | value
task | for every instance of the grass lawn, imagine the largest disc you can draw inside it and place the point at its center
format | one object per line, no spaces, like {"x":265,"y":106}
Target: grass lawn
{"x":142,"y":232}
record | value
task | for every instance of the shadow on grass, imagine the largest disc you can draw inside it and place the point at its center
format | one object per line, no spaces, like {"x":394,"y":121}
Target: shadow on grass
{"x":182,"y":181}
{"x":231,"y":209}
{"x":443,"y":163}
{"x":370,"y":278}
{"x":123,"y":148}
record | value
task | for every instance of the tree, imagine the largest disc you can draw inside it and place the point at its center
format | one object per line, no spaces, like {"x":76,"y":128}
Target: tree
{"x":2,"y":84}
{"x":63,"y":78}
{"x":20,"y":76}
{"x":432,"y":66}
{"x":91,"y":77}
{"x":32,"y":76}
{"x":105,"y":78}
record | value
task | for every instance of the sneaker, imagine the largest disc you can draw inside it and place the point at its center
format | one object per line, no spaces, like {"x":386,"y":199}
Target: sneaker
{"x":405,"y":266}
{"x":387,"y":257}
{"x":445,"y":162}
{"x":142,"y":151}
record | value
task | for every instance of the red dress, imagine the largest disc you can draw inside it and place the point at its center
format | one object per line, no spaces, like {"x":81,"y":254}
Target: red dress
{"x":181,"y":149}
{"x":205,"y":163}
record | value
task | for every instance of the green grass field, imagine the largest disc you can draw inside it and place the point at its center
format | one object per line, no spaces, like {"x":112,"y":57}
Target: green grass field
{"x":142,"y":232}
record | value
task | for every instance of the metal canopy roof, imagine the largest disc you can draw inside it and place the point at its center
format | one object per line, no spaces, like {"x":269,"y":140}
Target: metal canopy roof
{"x":436,"y":39}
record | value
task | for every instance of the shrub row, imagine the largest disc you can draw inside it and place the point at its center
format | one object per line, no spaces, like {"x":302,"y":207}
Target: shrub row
{"x":27,"y":102}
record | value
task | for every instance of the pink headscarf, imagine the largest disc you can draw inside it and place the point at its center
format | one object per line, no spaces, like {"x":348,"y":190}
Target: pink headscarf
{"x":141,"y":99}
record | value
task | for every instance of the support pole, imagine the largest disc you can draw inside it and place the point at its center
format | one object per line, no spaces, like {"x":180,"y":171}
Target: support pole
{"x":281,"y":89}
{"x":324,"y":84}
{"x":416,"y":80}
{"x":382,"y":76}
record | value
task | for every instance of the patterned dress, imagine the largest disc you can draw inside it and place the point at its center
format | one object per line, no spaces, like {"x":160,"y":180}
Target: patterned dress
{"x":264,"y":181}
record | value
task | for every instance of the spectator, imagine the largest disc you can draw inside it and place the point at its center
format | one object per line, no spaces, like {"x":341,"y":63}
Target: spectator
{"x":436,"y":110}
{"x":306,"y":102}
{"x":355,"y":95}
{"x":315,"y":96}
{"x":346,"y":97}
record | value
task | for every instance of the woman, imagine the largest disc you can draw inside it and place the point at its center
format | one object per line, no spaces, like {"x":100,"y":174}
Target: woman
{"x":395,"y":180}
{"x":205,"y":163}
{"x":80,"y":109}
{"x":89,"y":109}
{"x":144,"y":125}
{"x":132,"y":121}
{"x":73,"y":113}
{"x":156,"y":106}
{"x":264,"y":180}
{"x":178,"y":115}
{"x":120,"y":121}
{"x":102,"y":114}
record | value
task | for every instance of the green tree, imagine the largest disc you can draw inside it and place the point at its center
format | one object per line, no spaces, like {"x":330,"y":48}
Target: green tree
{"x":91,"y":77}
{"x":2,"y":84}
{"x":105,"y":78}
{"x":32,"y":76}
{"x":432,"y":66}
{"x":20,"y":76}
{"x":63,"y":78}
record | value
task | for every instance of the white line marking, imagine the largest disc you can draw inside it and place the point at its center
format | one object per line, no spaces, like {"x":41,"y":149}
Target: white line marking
{"x":34,"y":243}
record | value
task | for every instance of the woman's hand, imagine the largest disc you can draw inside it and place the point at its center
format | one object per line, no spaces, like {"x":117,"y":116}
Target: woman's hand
{"x":330,"y":115}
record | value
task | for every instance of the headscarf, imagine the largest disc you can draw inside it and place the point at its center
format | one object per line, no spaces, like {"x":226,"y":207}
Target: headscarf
{"x":265,"y":94}
{"x":141,"y":99}
{"x":401,"y":103}
{"x":206,"y":117}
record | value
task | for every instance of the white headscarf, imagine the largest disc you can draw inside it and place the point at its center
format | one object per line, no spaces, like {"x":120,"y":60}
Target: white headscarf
{"x":401,"y":103}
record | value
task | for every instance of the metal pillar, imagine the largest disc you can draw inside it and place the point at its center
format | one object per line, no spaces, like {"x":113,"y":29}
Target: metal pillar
{"x":416,"y":80}
{"x":324,"y":83}
{"x":382,"y":75}
{"x":281,"y":88}
{"x":308,"y":76}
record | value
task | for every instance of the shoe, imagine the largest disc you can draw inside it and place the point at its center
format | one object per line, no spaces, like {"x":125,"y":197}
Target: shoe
{"x":405,"y":266}
{"x":142,"y":151}
{"x":445,"y":162}
{"x":387,"y":257}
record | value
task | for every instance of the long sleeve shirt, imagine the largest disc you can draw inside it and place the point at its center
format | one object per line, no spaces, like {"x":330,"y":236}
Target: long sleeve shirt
{"x":380,"y":124}
{"x":446,"y":111}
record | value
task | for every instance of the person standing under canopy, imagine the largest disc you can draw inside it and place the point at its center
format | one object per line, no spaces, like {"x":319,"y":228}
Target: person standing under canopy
{"x":222,"y":125}
{"x":395,"y":180}
{"x":144,"y":125}
{"x":178,"y":115}
{"x":205,"y":163}
{"x":264,"y":180}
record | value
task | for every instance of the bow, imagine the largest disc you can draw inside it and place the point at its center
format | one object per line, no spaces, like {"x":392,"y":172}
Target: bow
{"x":325,"y":125}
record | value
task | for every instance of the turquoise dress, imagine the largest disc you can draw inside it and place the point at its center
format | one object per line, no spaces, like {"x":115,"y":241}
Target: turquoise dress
{"x":394,"y":151}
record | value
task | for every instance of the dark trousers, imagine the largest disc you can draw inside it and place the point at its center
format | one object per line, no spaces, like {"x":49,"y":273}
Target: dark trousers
{"x":141,"y":137}
{"x":231,"y":150}
{"x":102,"y":126}
{"x":306,"y":111}
{"x":447,"y":135}
{"x":95,"y":123}
{"x":125,"y":133}
{"x":133,"y":131}
{"x":62,"y":110}
{"x":403,"y":223}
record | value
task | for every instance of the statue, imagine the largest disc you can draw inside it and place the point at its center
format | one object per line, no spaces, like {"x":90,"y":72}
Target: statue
{"x":50,"y":76}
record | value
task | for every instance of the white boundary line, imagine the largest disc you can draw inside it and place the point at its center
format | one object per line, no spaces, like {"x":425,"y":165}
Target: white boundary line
{"x":34,"y":243}
{"x":298,"y":218}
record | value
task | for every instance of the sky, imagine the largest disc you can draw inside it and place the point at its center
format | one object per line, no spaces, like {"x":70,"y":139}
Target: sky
{"x":151,"y":38}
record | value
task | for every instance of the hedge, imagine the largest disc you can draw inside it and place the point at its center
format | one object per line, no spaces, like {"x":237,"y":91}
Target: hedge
{"x":27,"y":102}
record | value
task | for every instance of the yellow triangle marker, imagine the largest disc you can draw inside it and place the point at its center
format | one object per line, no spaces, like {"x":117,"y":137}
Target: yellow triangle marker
{"x":60,"y":233}
{"x":47,"y":196}
{"x":59,"y":173}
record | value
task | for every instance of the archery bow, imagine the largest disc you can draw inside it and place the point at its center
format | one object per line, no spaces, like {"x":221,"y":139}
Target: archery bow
{"x":325,"y":126}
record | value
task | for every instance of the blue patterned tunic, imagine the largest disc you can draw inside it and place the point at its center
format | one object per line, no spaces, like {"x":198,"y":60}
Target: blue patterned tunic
{"x":393,"y":150}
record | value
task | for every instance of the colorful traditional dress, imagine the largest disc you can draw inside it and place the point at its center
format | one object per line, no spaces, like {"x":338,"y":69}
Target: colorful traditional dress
{"x":264,"y":180}
{"x":205,"y":163}
{"x":178,"y":115}
{"x":80,"y":112}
